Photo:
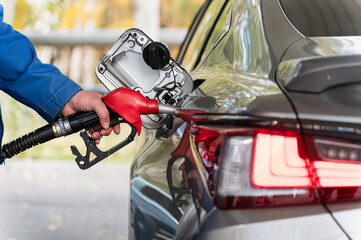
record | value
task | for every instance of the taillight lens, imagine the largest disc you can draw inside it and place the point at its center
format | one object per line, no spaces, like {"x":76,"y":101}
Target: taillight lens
{"x":337,"y":167}
{"x":263,"y":169}
{"x":277,"y":162}
{"x":258,"y":167}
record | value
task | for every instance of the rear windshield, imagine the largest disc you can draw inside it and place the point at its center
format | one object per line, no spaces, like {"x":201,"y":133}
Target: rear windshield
{"x":324,"y":17}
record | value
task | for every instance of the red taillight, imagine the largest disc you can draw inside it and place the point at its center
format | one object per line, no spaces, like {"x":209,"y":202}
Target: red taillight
{"x":263,"y":168}
{"x":337,"y":168}
{"x":277,"y":163}
{"x":337,"y":174}
{"x":258,"y":167}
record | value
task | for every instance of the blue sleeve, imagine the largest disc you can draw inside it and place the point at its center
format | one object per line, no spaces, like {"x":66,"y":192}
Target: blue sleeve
{"x":40,"y":86}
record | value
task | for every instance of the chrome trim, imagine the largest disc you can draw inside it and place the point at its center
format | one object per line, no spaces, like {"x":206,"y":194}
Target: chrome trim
{"x":329,"y":128}
{"x":67,"y":126}
{"x":337,"y":144}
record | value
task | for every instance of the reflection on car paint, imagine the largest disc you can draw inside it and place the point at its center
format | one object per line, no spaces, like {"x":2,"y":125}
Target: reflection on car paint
{"x":152,"y":210}
{"x":238,"y":73}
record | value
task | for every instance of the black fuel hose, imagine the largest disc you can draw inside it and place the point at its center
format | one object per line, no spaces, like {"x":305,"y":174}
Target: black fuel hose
{"x":62,"y":127}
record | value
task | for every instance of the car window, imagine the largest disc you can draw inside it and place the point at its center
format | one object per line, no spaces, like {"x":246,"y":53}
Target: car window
{"x":324,"y":17}
{"x":200,"y":36}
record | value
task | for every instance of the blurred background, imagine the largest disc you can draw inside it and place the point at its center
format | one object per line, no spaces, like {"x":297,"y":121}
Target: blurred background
{"x":73,"y":35}
{"x":42,"y":195}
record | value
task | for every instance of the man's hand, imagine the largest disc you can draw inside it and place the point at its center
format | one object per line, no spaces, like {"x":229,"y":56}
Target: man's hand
{"x":91,"y":101}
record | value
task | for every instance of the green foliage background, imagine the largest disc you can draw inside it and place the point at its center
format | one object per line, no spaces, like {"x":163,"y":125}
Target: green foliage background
{"x":65,"y":14}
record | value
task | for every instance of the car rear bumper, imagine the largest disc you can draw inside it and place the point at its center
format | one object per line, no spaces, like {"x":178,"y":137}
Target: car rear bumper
{"x":297,"y":222}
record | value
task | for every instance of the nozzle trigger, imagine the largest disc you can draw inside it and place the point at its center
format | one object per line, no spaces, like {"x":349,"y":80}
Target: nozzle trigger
{"x":84,"y":162}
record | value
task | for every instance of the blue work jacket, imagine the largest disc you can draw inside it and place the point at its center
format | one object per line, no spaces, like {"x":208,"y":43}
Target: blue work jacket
{"x":40,"y":86}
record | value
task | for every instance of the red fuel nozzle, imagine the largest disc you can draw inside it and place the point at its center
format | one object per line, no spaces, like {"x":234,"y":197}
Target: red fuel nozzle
{"x":130,"y":104}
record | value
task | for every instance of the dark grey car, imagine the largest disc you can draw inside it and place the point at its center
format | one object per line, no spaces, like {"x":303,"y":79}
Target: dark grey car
{"x":276,"y":152}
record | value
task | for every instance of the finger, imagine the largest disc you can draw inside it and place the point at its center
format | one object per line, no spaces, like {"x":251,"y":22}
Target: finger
{"x":91,"y":130}
{"x":105,"y":132}
{"x":116,"y":129}
{"x":103,"y":114}
{"x":96,"y":136}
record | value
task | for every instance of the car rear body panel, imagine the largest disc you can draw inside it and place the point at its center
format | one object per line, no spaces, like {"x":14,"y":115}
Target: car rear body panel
{"x":334,"y":111}
{"x":301,"y":222}
{"x":340,"y":105}
{"x":348,"y":215}
{"x":323,"y":47}
{"x":340,"y":102}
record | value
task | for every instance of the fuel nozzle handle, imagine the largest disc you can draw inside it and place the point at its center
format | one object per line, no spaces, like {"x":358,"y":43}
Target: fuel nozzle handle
{"x":62,"y":127}
{"x":78,"y":121}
